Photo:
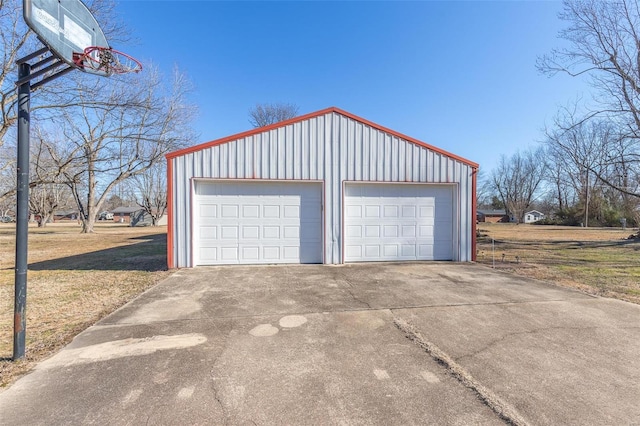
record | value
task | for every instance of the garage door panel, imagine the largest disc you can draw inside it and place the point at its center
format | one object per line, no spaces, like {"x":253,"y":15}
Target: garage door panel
{"x":250,"y":232}
{"x":207,"y":210}
{"x":250,"y":211}
{"x":208,"y":232}
{"x":425,"y":251}
{"x":271,"y":253}
{"x":353,"y":231}
{"x":229,"y":232}
{"x":409,"y":211}
{"x":258,"y":222}
{"x":271,"y":212}
{"x":291,"y":252}
{"x":291,"y":232}
{"x":292,"y":212}
{"x":427,"y":211}
{"x":229,"y":253}
{"x":372,"y":211}
{"x":425,"y":231}
{"x":409,"y":250}
{"x":390,"y":250}
{"x":230,"y":211}
{"x":372,"y":251}
{"x":250,"y":253}
{"x":209,"y":252}
{"x":391,"y":211}
{"x":271,"y":232}
{"x":372,"y":231}
{"x":386,"y":222}
{"x":390,"y":231}
{"x":409,"y":231}
{"x":354,"y":251}
{"x":354,"y":211}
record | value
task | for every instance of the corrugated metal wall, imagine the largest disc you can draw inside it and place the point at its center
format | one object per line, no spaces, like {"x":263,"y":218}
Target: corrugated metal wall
{"x":330,"y":147}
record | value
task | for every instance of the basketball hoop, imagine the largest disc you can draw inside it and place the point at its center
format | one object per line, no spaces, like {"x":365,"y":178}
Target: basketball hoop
{"x":106,"y":60}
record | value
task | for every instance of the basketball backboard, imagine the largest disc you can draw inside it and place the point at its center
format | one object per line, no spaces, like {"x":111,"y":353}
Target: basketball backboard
{"x":66,"y":27}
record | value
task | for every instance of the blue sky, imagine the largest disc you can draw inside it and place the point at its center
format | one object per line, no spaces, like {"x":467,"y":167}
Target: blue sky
{"x":457,"y":75}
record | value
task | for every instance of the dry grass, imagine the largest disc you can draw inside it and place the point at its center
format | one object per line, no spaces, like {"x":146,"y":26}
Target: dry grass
{"x":73,"y":280}
{"x":599,"y":261}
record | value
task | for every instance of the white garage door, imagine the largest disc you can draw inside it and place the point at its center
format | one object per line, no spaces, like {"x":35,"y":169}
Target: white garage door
{"x":257,"y":222}
{"x":387,"y":222}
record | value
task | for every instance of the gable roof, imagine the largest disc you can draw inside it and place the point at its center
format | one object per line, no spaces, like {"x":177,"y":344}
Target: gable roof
{"x":258,"y":130}
{"x":493,"y":212}
{"x":125,"y":209}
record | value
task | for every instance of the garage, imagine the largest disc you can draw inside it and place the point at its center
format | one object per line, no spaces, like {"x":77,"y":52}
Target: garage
{"x":327,"y":187}
{"x":257,"y":222}
{"x":391,"y":222}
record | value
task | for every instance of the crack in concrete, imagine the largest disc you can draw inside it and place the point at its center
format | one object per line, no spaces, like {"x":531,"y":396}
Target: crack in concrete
{"x":502,"y":409}
{"x":520,"y":333}
{"x":349,"y":289}
{"x":214,"y":386}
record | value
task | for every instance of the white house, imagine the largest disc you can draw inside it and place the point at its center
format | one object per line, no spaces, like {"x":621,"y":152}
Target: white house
{"x":327,"y":187}
{"x":533,"y":216}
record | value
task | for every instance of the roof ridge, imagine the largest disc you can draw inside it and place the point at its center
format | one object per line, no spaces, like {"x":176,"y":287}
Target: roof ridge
{"x":257,"y":130}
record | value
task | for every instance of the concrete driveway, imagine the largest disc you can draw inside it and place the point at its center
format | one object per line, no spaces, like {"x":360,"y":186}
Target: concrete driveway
{"x":417,"y":343}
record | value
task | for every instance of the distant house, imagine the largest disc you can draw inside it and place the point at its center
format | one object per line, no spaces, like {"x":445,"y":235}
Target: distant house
{"x":123,"y":214}
{"x":533,"y":216}
{"x":59,"y":215}
{"x":142,"y":218}
{"x":492,"y":216}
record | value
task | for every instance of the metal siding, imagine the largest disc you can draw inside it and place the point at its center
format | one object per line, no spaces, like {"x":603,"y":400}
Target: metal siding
{"x":335,"y":204}
{"x":332,"y":147}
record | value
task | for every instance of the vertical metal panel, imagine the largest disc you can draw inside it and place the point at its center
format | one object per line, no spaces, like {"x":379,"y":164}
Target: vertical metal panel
{"x":332,"y":147}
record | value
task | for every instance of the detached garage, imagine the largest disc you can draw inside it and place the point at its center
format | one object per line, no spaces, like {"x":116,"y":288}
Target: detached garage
{"x":327,"y":187}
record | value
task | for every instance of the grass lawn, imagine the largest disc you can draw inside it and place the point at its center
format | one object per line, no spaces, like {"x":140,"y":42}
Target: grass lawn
{"x":599,"y":261}
{"x":73,"y":280}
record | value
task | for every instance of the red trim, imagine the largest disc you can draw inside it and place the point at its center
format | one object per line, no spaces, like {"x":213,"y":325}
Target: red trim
{"x":252,"y":132}
{"x":323,"y":212}
{"x":342,"y":235}
{"x":313,"y":115}
{"x":170,"y":263}
{"x":405,"y":137}
{"x":192,"y":218}
{"x":474,"y":213}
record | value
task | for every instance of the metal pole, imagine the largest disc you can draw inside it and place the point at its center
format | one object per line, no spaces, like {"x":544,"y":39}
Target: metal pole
{"x":493,"y":253}
{"x":22,"y":214}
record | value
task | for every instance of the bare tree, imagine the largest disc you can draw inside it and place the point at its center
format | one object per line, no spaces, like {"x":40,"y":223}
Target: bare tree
{"x":581,"y":149}
{"x":16,"y":41}
{"x":135,"y":123}
{"x":150,"y":191}
{"x":484,"y":189}
{"x":264,"y":114}
{"x":45,"y":199}
{"x":47,"y":193}
{"x":517,"y":180}
{"x":604,"y":45}
{"x":602,"y":165}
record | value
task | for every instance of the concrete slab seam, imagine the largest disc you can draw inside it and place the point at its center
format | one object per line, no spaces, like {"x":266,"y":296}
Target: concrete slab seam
{"x":493,"y":401}
{"x":106,"y":324}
